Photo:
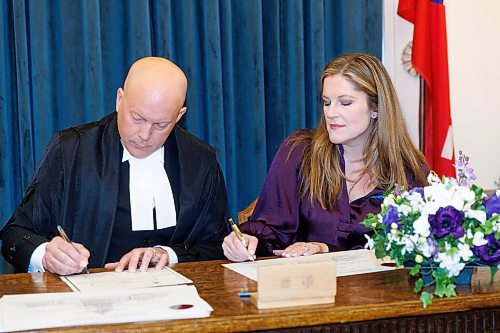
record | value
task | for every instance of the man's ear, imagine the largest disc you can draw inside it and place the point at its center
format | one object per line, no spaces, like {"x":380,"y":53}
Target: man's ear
{"x":119,"y":98}
{"x":181,"y":113}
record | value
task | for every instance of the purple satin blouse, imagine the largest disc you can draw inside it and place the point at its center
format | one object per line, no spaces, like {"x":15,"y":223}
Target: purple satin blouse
{"x":281,"y":218}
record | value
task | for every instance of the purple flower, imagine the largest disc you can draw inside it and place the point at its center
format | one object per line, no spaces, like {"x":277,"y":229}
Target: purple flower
{"x":464,"y":172}
{"x":418,"y":190}
{"x":469,"y":173}
{"x":492,"y":205}
{"x":391,"y":216}
{"x":459,"y":164}
{"x":489,"y":253}
{"x":447,"y":220}
{"x":465,"y":183}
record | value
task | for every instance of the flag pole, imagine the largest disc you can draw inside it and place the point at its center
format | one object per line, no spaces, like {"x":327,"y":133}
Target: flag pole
{"x":421,"y":116}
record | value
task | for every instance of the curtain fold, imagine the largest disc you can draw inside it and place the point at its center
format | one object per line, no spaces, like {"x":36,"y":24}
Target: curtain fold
{"x":252,"y":67}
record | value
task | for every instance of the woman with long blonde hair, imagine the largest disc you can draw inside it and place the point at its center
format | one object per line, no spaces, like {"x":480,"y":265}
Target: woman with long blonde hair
{"x":323,"y":182}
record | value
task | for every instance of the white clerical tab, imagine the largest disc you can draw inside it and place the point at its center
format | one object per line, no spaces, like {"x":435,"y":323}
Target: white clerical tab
{"x":150,"y":188}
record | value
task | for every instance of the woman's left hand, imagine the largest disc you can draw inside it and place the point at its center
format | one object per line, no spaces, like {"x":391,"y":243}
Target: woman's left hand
{"x":302,"y":249}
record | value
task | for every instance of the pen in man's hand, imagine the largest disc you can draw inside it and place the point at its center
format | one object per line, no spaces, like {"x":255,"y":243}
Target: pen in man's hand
{"x":238,"y":233}
{"x":64,"y":236}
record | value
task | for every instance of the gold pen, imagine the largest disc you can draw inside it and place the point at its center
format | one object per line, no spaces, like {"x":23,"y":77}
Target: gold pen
{"x":238,"y":233}
{"x":63,"y":234}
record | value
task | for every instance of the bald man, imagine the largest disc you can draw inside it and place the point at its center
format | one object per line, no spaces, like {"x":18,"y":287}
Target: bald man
{"x":132,"y":190}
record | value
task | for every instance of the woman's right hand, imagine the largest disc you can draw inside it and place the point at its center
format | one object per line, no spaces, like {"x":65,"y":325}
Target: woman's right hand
{"x":234,"y":249}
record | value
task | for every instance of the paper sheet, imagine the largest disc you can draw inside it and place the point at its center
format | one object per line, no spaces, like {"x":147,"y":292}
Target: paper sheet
{"x":36,"y":311}
{"x":348,"y":263}
{"x":124,"y":280}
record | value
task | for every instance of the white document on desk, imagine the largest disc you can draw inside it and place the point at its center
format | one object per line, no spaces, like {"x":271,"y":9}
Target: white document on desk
{"x":37,"y":311}
{"x":348,"y":263}
{"x":125,"y":280}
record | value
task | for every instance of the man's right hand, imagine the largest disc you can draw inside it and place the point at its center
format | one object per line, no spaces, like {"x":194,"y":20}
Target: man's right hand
{"x":63,"y":258}
{"x":234,"y":249}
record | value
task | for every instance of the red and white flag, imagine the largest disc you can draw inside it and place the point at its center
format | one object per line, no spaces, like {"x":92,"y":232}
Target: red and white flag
{"x":430,"y":60}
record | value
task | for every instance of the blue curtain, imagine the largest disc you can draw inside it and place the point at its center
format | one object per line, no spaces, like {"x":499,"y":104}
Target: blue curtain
{"x":252,"y":66}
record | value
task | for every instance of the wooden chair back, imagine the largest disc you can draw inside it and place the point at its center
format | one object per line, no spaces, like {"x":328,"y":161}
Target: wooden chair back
{"x":244,"y":215}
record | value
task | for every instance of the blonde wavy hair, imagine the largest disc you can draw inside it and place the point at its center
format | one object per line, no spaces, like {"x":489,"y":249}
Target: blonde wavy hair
{"x":389,"y":153}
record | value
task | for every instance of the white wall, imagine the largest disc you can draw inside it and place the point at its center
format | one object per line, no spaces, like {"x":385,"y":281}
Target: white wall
{"x":397,"y":34}
{"x":474,"y":67}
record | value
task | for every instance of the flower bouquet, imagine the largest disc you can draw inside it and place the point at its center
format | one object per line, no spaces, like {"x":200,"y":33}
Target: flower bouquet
{"x":438,"y":230}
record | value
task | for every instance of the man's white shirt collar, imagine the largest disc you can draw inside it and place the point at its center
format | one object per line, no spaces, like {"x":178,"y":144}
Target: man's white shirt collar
{"x":150,"y":188}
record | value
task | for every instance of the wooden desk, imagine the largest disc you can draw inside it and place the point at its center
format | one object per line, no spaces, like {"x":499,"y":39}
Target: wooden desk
{"x":380,"y":302}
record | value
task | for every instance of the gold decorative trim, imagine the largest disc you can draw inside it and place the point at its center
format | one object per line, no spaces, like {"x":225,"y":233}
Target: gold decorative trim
{"x":406,"y":59}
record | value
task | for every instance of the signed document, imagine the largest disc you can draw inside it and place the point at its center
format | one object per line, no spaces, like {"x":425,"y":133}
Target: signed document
{"x":348,"y":263}
{"x":36,"y":311}
{"x":125,"y":280}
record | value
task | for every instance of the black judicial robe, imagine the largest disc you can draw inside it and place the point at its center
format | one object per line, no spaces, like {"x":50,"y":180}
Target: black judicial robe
{"x":76,"y":186}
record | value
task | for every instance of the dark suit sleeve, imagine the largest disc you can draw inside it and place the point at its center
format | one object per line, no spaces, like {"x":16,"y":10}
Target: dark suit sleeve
{"x":211,"y":226}
{"x":30,"y":224}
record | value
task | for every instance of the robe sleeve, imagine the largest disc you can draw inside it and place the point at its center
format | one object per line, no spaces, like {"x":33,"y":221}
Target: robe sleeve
{"x":275,"y":219}
{"x":36,"y":215}
{"x":211,"y":226}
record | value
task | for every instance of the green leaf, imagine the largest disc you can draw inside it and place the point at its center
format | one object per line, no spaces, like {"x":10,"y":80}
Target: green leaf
{"x":450,"y":290}
{"x":414,"y":271}
{"x":493,"y":270}
{"x":442,"y":280}
{"x":426,"y":299}
{"x":440,"y":289}
{"x":453,"y":251}
{"x":478,"y":191}
{"x":488,"y":228}
{"x":418,"y":285}
{"x":380,"y":250}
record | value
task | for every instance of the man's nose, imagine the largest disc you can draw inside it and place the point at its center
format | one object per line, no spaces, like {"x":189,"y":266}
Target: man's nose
{"x":145,"y":131}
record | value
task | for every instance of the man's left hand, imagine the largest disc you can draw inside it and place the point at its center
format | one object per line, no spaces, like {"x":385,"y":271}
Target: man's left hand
{"x":141,"y":258}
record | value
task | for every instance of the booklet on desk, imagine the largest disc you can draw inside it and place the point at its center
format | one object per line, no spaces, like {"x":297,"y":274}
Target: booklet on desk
{"x":125,"y":280}
{"x":100,"y":307}
{"x":347,"y":263}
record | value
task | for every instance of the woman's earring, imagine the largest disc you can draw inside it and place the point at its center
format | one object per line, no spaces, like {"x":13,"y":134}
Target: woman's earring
{"x":374,"y":115}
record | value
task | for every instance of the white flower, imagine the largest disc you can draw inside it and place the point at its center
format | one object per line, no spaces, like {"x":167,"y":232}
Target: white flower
{"x":464,"y":251}
{"x":369,"y":243}
{"x":450,"y":263}
{"x":422,"y":226}
{"x":469,"y":234}
{"x":479,"y":239}
{"x":389,"y":200}
{"x":415,"y":196}
{"x":404,"y":209}
{"x":416,"y":201}
{"x":439,"y":195}
{"x":466,"y":195}
{"x":476,"y":214}
{"x":433,"y":178}
{"x":395,"y":238}
{"x":409,"y":242}
{"x":427,"y":248}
